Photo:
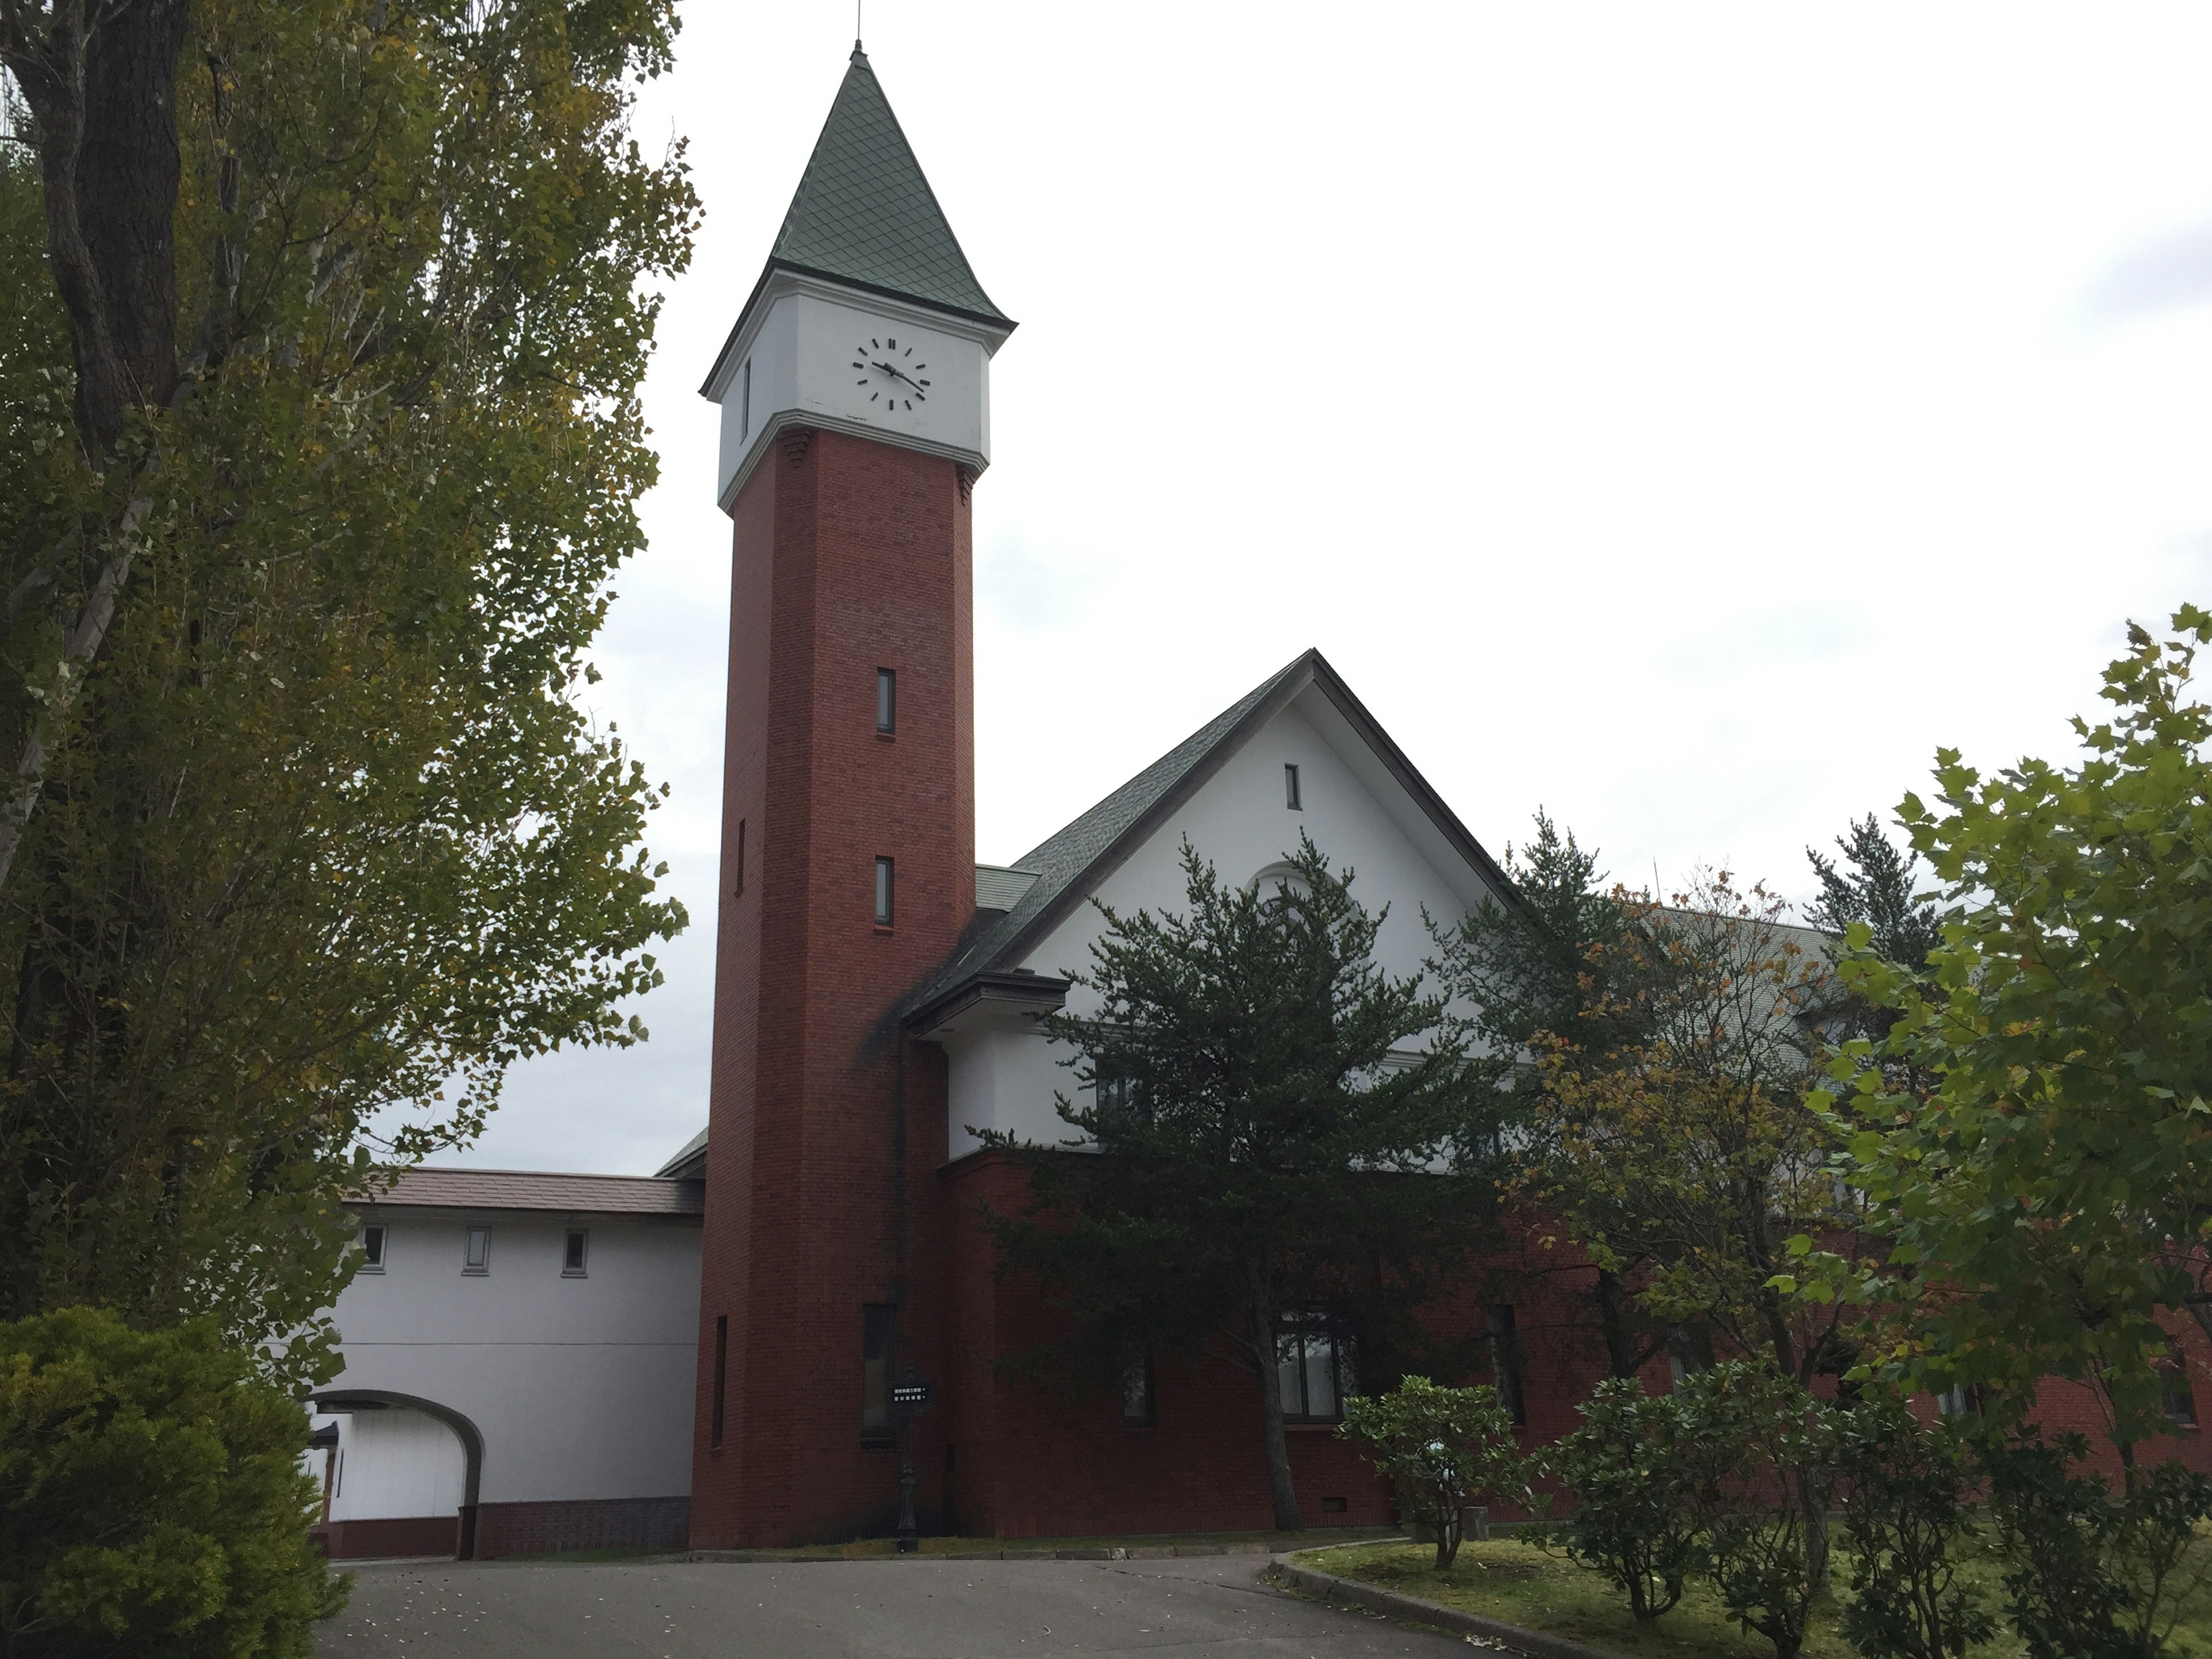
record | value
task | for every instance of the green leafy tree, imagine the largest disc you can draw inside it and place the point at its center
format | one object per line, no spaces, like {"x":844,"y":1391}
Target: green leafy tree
{"x":2048,"y":1201}
{"x":151,"y":1497}
{"x":1442,"y":1449}
{"x":1273,"y":1137}
{"x":1539,"y":964}
{"x":1688,"y":1156}
{"x":320,"y":443}
{"x":1910,"y":1516}
{"x":1645,"y":1483}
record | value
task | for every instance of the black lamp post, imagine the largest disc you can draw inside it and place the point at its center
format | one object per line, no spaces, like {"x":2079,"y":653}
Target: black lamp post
{"x":910,"y":1397}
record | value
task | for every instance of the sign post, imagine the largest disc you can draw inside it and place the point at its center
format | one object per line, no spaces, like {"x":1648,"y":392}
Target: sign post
{"x":911,"y":1398}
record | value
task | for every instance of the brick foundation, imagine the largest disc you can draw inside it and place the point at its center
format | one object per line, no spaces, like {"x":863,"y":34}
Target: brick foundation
{"x":413,"y":1534}
{"x":605,"y":1524}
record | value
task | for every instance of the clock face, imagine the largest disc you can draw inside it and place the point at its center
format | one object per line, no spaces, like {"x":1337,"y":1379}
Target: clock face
{"x":893,"y":379}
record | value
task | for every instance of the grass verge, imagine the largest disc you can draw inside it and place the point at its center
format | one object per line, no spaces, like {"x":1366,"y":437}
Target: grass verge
{"x":1540,"y":1590}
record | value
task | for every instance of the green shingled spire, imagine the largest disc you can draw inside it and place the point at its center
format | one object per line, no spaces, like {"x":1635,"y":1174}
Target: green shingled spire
{"x":864,"y":215}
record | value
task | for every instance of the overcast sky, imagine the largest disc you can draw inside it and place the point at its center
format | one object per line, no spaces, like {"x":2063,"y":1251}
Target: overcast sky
{"x":1684,"y":418}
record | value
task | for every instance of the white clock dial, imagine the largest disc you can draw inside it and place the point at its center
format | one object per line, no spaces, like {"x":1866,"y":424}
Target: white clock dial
{"x":890,"y":374}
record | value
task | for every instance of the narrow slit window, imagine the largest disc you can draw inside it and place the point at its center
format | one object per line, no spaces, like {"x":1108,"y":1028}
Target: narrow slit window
{"x":721,"y":1374}
{"x":2177,"y":1401}
{"x":573,"y":1246}
{"x":1290,"y":789}
{"x":372,"y":1249}
{"x":738,"y":888}
{"x":476,"y":1254}
{"x":886,"y":700}
{"x":745,"y":400}
{"x":879,"y":1331}
{"x":1505,"y":1362}
{"x":1138,"y":1410}
{"x":882,"y":892}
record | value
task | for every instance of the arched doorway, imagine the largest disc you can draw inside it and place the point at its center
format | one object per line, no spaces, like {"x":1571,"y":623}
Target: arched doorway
{"x":381,"y":1407}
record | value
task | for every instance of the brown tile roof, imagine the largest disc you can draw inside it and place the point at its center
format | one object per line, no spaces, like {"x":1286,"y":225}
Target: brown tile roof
{"x":535,"y":1189}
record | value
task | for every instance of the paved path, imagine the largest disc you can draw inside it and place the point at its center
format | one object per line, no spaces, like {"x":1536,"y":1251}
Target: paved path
{"x":915,"y":1609}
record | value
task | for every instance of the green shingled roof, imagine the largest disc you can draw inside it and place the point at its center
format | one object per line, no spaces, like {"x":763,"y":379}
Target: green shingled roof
{"x":864,"y":214}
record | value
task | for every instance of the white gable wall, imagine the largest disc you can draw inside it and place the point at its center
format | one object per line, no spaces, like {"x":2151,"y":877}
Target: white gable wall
{"x":1004,"y":1077}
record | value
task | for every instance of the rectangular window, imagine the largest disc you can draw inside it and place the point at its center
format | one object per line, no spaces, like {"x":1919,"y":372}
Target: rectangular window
{"x":1291,"y":788}
{"x":572,"y":1253}
{"x":721,"y":1375}
{"x":886,"y":700}
{"x":476,"y":1256}
{"x":1137,"y":1409}
{"x":1311,"y":1368}
{"x":879,"y":1329}
{"x":1121,"y":1094}
{"x":739,"y":891}
{"x":1505,"y":1363}
{"x":882,"y":892}
{"x":372,"y":1248}
{"x":745,"y":400}
{"x":2177,"y":1399}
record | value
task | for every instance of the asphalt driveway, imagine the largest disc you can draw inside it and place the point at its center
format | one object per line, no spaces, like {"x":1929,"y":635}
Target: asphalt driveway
{"x":909,"y":1609}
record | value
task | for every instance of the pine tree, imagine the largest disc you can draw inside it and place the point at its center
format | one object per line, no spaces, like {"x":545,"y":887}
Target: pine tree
{"x":1271,"y":1122}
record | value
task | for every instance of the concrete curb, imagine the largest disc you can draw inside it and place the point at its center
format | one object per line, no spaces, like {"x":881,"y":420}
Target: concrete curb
{"x":1391,"y":1604}
{"x":1133,"y":1552}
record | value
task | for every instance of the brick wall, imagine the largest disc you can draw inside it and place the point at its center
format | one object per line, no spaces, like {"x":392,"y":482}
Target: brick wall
{"x":848,"y":556}
{"x":655,"y":1523}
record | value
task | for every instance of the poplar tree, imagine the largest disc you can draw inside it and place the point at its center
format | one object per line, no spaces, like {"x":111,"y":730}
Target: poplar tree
{"x":1276,"y":1134}
{"x":320,"y":442}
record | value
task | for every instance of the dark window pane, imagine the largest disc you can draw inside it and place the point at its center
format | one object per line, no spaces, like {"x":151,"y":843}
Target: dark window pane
{"x":476,"y":1254}
{"x":1291,"y":788}
{"x":372,"y":1247}
{"x":1137,"y":1390}
{"x":882,"y":892}
{"x":572,"y":1253}
{"x":886,"y":700}
{"x":721,"y":1374}
{"x":878,"y":1332}
{"x":1505,"y":1362}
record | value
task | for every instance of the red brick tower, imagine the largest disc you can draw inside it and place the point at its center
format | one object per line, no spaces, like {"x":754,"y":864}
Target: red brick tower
{"x":854,"y":401}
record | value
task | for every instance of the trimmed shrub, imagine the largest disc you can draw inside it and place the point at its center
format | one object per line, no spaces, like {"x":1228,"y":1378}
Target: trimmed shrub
{"x":151,"y":1497}
{"x":2091,"y":1574}
{"x":1644,"y":1490}
{"x":1908,"y":1511}
{"x":1442,"y":1449}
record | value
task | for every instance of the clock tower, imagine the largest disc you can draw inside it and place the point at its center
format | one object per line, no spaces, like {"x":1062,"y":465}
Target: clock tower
{"x":855,"y":391}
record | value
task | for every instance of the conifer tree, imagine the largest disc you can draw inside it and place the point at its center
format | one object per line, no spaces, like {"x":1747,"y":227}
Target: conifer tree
{"x":1268,"y":1124}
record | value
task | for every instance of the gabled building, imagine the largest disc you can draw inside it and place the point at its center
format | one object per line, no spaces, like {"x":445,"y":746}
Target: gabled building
{"x":877,"y":992}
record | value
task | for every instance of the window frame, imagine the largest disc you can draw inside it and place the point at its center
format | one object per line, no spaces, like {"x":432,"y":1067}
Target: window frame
{"x":1137,"y":1369}
{"x":745,"y":401}
{"x":879,"y":1348}
{"x":373,"y":1258}
{"x":1309,"y":1328}
{"x":886,"y":702}
{"x":580,"y":1238}
{"x":1508,"y":1371}
{"x":1293,"y":797}
{"x":2176,"y":1398}
{"x":886,"y":890}
{"x":471,"y":1269}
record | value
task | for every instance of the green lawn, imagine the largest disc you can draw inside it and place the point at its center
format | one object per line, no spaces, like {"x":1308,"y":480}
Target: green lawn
{"x":1543,"y":1590}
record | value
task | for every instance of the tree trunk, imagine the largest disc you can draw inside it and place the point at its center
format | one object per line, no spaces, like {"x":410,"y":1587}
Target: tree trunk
{"x":102,"y":85}
{"x":104,"y":96}
{"x":1262,"y":1320}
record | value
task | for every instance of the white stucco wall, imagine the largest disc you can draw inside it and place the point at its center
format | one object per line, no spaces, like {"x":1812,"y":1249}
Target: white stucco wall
{"x":1004,"y":1076}
{"x":580,"y":1387}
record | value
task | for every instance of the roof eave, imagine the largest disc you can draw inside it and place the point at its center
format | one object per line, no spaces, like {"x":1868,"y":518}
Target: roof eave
{"x":993,"y":321}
